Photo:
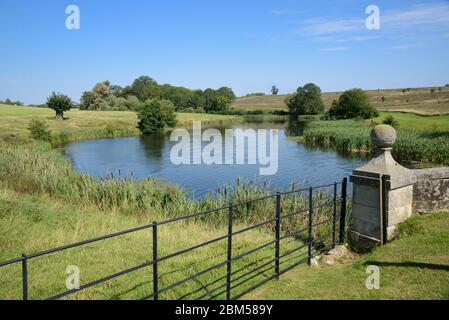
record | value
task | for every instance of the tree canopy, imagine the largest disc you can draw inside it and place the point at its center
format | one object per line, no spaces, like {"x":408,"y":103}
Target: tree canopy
{"x":306,"y":101}
{"x":106,"y":95}
{"x":60,"y":103}
{"x":155,"y":115}
{"x":352,"y":104}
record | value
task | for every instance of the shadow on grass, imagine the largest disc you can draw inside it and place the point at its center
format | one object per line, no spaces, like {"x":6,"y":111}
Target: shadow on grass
{"x":420,"y":265}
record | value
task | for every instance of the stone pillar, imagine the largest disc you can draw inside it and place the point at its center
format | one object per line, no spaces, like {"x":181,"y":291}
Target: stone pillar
{"x":382,"y":194}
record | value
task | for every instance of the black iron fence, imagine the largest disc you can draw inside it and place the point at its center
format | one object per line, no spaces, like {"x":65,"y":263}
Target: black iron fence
{"x":332,"y":212}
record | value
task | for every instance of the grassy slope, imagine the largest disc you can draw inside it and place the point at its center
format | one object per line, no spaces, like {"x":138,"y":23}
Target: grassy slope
{"x":416,"y":266}
{"x":417,"y":100}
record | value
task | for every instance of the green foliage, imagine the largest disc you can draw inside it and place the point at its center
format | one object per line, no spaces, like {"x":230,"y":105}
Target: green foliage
{"x":155,"y":115}
{"x":103,"y":98}
{"x":274,"y":90}
{"x":39,"y":130}
{"x":86,"y":100}
{"x":222,"y":103}
{"x":130,"y":103}
{"x":60,"y":103}
{"x":306,"y":101}
{"x":168,"y":113}
{"x":106,"y":96}
{"x":352,"y":104}
{"x":390,"y":120}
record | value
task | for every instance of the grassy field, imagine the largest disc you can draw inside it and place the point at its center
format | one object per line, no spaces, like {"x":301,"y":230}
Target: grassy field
{"x":15,"y":120}
{"x":416,"y":100}
{"x":416,"y":266}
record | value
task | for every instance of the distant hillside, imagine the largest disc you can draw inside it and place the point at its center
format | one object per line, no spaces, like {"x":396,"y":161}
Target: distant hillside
{"x":416,"y":100}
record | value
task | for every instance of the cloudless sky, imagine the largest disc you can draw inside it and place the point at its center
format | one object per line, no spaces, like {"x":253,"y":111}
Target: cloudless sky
{"x":248,"y":45}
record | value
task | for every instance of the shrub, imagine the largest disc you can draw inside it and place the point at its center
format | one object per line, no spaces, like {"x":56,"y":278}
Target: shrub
{"x":188,"y":110}
{"x":155,"y":115}
{"x":390,"y":120}
{"x":352,"y":104}
{"x":39,"y":130}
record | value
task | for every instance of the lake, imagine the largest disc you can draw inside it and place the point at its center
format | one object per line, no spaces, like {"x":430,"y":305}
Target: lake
{"x":149,"y":157}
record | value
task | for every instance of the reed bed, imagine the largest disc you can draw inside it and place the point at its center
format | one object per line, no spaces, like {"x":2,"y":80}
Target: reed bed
{"x":425,"y":147}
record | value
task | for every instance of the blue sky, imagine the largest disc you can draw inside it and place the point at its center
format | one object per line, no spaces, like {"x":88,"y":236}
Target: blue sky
{"x":247,"y":45}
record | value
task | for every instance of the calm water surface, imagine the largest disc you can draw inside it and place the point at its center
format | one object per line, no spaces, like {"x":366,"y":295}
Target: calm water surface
{"x":143,"y":157}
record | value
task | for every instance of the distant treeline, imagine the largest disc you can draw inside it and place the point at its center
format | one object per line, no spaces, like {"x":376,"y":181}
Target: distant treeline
{"x":107,"y":96}
{"x":11,"y":103}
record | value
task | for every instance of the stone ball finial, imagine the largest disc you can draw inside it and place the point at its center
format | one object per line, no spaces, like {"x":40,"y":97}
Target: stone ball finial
{"x":383,"y":136}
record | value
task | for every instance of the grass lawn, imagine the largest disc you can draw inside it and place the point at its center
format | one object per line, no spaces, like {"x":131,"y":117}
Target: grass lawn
{"x":415,"y":266}
{"x":414,"y":121}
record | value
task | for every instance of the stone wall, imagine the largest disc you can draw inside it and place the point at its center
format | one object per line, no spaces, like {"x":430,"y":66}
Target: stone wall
{"x":431,"y":190}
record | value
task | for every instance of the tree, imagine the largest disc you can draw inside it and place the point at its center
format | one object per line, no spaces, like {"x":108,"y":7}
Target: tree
{"x":274,"y":90}
{"x":86,"y":100}
{"x":168,"y":113}
{"x":103,"y":98}
{"x":225,"y":92}
{"x":351,"y":104}
{"x":138,"y":86}
{"x":306,"y":100}
{"x":60,"y":103}
{"x":155,"y":115}
{"x":222,"y":103}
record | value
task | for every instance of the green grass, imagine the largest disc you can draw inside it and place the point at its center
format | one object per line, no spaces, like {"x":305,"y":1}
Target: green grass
{"x":85,"y":124}
{"x":419,"y":122}
{"x":416,"y":266}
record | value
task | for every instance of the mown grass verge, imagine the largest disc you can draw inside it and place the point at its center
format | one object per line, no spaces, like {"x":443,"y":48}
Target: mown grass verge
{"x":415,"y":266}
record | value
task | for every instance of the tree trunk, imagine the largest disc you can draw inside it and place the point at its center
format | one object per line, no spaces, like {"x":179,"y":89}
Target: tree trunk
{"x":59,"y":115}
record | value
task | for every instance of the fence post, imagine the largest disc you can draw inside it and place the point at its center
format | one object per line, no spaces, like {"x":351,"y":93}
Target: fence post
{"x":334,"y":216}
{"x":229,"y":260}
{"x":155,"y":275}
{"x":24,"y":277}
{"x":309,"y":240}
{"x":277,"y":230}
{"x":344,"y":186}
